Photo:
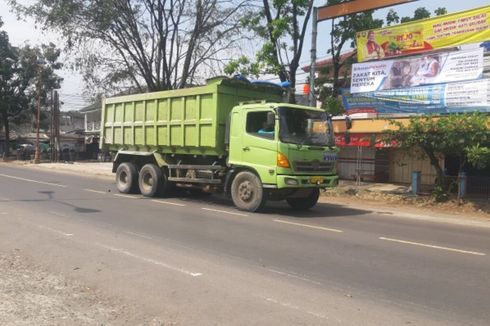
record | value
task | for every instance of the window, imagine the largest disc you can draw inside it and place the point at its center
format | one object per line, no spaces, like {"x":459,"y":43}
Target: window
{"x":257,"y":125}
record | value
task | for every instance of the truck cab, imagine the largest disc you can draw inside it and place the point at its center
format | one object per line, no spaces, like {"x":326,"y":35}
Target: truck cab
{"x":289,"y":147}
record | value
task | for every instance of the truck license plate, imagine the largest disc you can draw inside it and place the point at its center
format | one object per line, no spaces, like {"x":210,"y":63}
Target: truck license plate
{"x":316,"y":180}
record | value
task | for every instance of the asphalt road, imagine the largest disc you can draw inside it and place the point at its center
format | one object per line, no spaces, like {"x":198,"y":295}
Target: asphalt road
{"x":199,"y":261}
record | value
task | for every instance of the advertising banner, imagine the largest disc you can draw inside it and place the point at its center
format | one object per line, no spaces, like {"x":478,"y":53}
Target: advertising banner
{"x":454,"y":97}
{"x":469,"y":26}
{"x":418,"y":70}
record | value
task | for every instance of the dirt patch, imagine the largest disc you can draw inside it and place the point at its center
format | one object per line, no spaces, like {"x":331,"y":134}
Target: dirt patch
{"x":30,"y":295}
{"x":469,"y":208}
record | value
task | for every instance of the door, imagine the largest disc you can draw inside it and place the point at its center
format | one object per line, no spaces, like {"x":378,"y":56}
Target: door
{"x":258,"y":144}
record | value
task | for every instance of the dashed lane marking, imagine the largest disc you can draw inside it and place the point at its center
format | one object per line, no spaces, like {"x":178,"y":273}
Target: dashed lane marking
{"x":33,"y":181}
{"x":140,"y":235}
{"x":167,"y":202}
{"x":126,"y":196}
{"x":294,"y":307}
{"x":224,"y":212}
{"x":54,"y":230}
{"x":309,"y":226}
{"x":96,"y":191}
{"x":149,"y":260}
{"x":433,"y":246}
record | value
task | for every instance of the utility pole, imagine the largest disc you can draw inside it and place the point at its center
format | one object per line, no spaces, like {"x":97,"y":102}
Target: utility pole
{"x":51,"y":128}
{"x":56,"y":107}
{"x":37,"y":154}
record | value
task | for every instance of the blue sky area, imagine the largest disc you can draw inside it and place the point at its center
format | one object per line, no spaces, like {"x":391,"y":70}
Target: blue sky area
{"x":71,"y":93}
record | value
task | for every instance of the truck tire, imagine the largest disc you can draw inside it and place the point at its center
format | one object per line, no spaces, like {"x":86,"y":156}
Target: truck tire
{"x":127,"y":178}
{"x":150,"y":180}
{"x":305,"y":202}
{"x":247,"y":192}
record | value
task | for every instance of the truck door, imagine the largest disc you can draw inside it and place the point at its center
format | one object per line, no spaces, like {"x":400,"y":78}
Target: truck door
{"x":259,"y":144}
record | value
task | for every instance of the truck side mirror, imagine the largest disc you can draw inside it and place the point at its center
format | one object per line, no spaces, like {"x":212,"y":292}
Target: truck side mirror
{"x":348,"y":123}
{"x":271,"y":118}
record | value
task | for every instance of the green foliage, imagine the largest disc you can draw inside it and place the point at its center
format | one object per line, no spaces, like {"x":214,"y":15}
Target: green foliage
{"x":422,"y":13}
{"x":464,"y":135}
{"x":281,"y":25}
{"x":479,"y":155}
{"x":25,"y":73}
{"x":440,"y":194}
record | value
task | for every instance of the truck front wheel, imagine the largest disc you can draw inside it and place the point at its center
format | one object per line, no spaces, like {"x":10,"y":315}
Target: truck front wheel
{"x":127,"y":178}
{"x":150,"y":180}
{"x":247,"y":192}
{"x":305,"y":203}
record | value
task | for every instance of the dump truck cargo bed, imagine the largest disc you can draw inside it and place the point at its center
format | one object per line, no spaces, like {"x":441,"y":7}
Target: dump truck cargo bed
{"x":185,"y":121}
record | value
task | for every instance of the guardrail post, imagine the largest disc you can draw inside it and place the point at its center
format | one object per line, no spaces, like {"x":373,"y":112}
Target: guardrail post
{"x":462,"y":179}
{"x":416,"y":177}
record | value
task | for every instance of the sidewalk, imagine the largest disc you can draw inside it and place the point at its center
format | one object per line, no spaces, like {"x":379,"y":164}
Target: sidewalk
{"x":399,"y":199}
{"x":99,"y":169}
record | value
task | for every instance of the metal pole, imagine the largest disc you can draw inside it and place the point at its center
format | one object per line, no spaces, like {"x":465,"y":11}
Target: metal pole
{"x":37,"y":155}
{"x":314,"y":33}
{"x":51,"y":129}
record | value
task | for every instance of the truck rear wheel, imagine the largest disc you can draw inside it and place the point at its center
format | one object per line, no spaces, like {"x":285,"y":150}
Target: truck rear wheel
{"x":150,"y":180}
{"x":247,"y":192}
{"x":127,"y":178}
{"x":305,"y":203}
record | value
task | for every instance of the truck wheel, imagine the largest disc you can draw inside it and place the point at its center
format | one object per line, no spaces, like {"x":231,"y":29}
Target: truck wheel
{"x":306,"y":202}
{"x":127,"y":178}
{"x":150,"y":180}
{"x":247,"y":192}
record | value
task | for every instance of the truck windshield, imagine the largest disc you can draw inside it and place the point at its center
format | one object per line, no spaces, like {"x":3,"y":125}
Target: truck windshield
{"x":305,"y":127}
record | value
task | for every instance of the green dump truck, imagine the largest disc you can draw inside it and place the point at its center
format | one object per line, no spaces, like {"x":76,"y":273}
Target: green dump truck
{"x":228,"y":137}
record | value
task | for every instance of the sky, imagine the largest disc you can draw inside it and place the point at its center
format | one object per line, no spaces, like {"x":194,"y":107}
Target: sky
{"x":21,"y":32}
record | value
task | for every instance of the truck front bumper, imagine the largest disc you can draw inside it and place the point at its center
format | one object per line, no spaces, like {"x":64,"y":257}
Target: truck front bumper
{"x":307,"y":181}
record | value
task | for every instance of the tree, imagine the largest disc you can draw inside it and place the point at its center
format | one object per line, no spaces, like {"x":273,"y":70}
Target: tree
{"x":464,"y":135}
{"x":282,"y":25}
{"x":148,"y":44}
{"x":22,"y":77}
{"x":419,"y":13}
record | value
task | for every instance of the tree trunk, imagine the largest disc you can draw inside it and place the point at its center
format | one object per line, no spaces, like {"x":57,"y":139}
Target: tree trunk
{"x":292,"y":86}
{"x":441,"y":177}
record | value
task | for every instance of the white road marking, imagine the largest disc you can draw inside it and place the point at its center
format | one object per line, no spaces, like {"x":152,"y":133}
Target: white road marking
{"x":3,"y":213}
{"x":96,"y":191}
{"x":138,"y":235}
{"x":33,"y":181}
{"x":167,"y":202}
{"x":293,"y":276}
{"x":4,"y":198}
{"x":149,"y":260}
{"x":434,"y":247}
{"x":126,"y":196}
{"x":58,"y":214}
{"x":291,"y":306}
{"x":224,"y":212}
{"x":309,"y":226}
{"x":54,"y":230}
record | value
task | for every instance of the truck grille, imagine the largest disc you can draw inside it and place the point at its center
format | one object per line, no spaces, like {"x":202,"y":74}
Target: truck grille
{"x":313,"y":166}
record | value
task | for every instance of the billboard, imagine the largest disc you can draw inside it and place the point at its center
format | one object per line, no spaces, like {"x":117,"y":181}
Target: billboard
{"x":434,"y":68}
{"x":469,"y":26}
{"x":457,"y":97}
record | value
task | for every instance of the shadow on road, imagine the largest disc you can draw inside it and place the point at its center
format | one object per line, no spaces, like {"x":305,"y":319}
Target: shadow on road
{"x":321,"y":210}
{"x":76,"y":208}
